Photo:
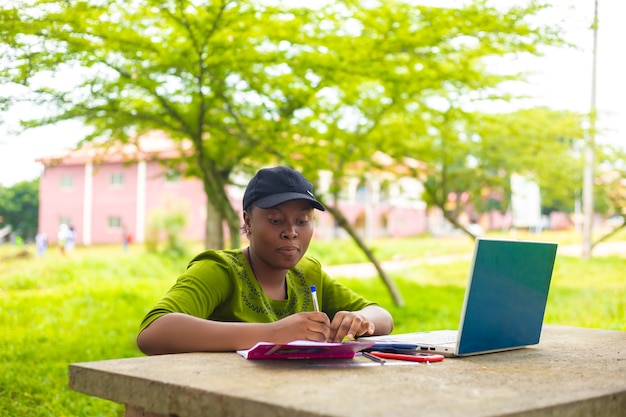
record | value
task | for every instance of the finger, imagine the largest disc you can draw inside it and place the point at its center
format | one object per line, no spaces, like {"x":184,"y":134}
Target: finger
{"x":319,"y":324}
{"x":357,"y":329}
{"x":368,"y":327}
{"x":320,"y":317}
{"x":334,"y":335}
{"x":342,"y":327}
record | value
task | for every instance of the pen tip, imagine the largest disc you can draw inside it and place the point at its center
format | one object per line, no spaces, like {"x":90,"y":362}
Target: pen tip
{"x":312,"y":287}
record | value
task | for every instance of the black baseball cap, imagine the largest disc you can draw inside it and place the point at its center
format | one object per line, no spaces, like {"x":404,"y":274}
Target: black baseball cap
{"x":273,"y":186}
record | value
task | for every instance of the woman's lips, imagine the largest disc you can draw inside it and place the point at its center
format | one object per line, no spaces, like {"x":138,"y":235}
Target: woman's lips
{"x":289,"y":250}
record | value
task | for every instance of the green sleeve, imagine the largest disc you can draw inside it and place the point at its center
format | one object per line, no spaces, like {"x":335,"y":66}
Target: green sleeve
{"x":203,"y":287}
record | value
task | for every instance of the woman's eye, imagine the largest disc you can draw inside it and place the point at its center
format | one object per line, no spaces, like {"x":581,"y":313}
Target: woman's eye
{"x":274,"y":221}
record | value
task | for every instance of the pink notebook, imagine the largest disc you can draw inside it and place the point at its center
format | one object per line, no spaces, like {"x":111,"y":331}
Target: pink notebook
{"x":304,"y":349}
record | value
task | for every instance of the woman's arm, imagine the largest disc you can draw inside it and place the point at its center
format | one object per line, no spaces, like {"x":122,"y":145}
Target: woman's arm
{"x":178,"y":333}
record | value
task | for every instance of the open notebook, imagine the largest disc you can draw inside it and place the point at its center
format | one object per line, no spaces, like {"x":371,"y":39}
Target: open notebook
{"x":504,"y":304}
{"x":304,"y":349}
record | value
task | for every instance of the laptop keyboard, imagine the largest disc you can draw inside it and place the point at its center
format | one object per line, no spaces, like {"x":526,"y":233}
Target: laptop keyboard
{"x":437,"y":337}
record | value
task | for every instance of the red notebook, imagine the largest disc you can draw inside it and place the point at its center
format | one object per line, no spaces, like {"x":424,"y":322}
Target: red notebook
{"x":304,"y":349}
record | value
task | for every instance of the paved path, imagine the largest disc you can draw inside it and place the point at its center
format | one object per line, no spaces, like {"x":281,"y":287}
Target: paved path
{"x":603,"y":249}
{"x":365,"y":270}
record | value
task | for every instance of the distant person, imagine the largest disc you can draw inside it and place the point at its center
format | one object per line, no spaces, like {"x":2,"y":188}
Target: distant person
{"x":232,"y":299}
{"x":62,"y":235}
{"x":41,"y":244}
{"x":70,"y":241}
{"x":127,"y":239}
{"x":475,"y":228}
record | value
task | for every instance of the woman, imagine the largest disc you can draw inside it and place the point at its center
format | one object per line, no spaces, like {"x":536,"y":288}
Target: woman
{"x":231,"y":299}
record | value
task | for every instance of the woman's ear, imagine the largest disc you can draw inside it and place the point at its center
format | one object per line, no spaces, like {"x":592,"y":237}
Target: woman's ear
{"x":246,"y":222}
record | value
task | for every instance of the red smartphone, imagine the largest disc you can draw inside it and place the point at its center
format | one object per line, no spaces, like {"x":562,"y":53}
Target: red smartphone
{"x":414,"y":357}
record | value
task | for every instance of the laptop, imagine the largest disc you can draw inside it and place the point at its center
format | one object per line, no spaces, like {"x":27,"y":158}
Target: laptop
{"x":504,"y":303}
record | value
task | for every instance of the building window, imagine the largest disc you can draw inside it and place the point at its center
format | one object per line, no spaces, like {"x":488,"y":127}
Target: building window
{"x":114,"y":222}
{"x":172,"y":175}
{"x":67,"y":182}
{"x":385,"y":192}
{"x":361,"y":192}
{"x":117,"y":179}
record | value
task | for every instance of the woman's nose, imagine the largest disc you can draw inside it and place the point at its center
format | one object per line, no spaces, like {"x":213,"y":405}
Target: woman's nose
{"x":289,"y":232}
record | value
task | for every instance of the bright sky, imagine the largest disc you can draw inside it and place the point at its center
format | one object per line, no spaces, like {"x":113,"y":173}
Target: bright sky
{"x":561,"y":80}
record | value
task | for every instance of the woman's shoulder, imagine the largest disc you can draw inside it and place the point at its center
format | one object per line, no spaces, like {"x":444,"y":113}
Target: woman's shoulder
{"x":309,"y":264}
{"x":225,"y":258}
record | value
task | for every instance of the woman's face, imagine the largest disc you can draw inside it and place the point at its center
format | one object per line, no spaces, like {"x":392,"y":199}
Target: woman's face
{"x":280,"y":236}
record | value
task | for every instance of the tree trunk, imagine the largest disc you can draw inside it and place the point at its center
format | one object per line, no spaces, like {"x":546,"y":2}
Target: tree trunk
{"x":455,"y":222}
{"x":607,"y":236}
{"x":343,"y":222}
{"x":229,"y":216}
{"x":214,"y":233}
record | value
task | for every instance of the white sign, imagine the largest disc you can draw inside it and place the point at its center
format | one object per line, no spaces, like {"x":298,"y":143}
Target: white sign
{"x":525,"y":202}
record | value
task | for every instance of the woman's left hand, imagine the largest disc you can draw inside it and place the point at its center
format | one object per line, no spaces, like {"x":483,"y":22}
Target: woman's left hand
{"x":348,"y":324}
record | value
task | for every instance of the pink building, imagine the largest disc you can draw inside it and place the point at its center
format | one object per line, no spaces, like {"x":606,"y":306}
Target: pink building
{"x":107,"y":194}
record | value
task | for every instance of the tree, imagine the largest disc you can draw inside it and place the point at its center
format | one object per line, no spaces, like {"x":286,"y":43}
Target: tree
{"x":19,"y":208}
{"x":536,"y":143}
{"x":412,"y":88}
{"x":610,"y":190}
{"x":391,"y":70}
{"x":202,"y":71}
{"x":251,"y":84}
{"x":242,"y":79}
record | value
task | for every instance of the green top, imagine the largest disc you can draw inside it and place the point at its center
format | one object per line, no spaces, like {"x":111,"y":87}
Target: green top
{"x":219,"y":285}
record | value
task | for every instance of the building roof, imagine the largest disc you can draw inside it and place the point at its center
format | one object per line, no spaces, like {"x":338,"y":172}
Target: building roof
{"x":152,"y":145}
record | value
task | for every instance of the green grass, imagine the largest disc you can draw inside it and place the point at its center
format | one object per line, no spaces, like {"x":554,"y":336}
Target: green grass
{"x":87,"y":306}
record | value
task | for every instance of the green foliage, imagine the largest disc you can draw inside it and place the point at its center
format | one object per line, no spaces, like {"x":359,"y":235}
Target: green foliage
{"x":610,"y":184}
{"x":19,"y":207}
{"x":250,"y":84}
{"x":208,"y":71}
{"x":164,"y":233}
{"x":85,"y":307}
{"x":537,"y":143}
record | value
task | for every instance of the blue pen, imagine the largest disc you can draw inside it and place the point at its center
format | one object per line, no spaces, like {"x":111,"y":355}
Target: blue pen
{"x":316,"y":305}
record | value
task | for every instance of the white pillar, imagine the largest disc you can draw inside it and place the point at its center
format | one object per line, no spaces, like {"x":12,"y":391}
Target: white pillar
{"x":372,"y":197}
{"x":352,"y":187}
{"x":88,"y":204}
{"x":140,"y":217}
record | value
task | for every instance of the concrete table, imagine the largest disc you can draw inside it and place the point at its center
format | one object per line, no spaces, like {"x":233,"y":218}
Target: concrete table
{"x":572,"y":372}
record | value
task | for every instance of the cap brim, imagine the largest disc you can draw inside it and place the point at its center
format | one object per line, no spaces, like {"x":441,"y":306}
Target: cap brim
{"x":276,"y":199}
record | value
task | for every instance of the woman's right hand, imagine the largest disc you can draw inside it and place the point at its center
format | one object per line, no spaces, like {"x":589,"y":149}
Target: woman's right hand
{"x":312,"y":325}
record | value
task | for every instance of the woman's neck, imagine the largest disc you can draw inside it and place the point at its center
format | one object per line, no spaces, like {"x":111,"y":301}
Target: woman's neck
{"x":271,"y":280}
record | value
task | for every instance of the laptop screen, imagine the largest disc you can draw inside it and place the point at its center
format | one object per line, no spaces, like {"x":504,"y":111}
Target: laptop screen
{"x":506,"y":296}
